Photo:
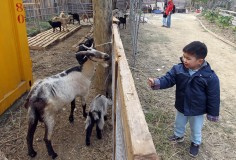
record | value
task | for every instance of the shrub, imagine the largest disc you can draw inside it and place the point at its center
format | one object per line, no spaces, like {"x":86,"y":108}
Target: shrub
{"x":224,"y":21}
{"x":211,"y":15}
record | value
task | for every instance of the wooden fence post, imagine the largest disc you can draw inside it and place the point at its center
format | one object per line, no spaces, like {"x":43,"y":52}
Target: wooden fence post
{"x":102,"y":16}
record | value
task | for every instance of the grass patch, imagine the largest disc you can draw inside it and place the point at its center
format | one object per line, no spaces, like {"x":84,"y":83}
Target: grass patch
{"x":33,"y":29}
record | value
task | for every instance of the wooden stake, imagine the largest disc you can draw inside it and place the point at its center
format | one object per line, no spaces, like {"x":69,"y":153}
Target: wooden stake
{"x":102,"y":15}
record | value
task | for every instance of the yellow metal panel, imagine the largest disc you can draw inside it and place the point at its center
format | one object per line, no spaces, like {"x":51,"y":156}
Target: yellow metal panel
{"x":15,"y":63}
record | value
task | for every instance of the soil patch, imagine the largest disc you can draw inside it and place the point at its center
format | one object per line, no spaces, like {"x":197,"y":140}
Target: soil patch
{"x":68,"y":139}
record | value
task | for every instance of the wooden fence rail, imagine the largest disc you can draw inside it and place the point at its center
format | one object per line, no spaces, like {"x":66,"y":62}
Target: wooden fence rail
{"x":132,"y":139}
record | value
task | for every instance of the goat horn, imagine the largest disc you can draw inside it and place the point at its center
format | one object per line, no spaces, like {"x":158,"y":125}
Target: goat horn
{"x":81,"y":52}
{"x":90,"y":48}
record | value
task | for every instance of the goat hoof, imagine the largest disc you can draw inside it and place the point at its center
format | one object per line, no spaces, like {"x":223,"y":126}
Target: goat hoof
{"x":71,"y":119}
{"x":32,"y":154}
{"x":54,"y":155}
{"x":85,"y":115}
{"x":105,"y":118}
{"x":99,"y":136}
{"x":87,"y":143}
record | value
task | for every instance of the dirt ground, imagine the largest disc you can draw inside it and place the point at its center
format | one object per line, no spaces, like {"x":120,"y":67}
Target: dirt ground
{"x":158,"y":50}
{"x":68,"y":139}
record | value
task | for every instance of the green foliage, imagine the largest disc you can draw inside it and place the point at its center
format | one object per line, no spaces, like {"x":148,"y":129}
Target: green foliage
{"x":224,"y":21}
{"x":32,"y":31}
{"x":211,"y":15}
{"x":44,"y":25}
{"x":214,"y":16}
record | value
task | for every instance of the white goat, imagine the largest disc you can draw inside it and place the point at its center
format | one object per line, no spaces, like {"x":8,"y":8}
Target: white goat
{"x":62,"y":15}
{"x":97,"y":114}
{"x":49,"y":95}
{"x":64,"y":21}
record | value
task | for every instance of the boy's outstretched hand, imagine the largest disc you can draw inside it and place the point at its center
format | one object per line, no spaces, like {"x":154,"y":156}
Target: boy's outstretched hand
{"x":150,"y":82}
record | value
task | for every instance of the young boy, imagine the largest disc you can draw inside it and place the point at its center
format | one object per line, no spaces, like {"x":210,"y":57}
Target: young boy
{"x":197,"y":93}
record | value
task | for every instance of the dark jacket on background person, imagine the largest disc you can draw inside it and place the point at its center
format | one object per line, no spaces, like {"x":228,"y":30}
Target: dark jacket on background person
{"x":195,"y":95}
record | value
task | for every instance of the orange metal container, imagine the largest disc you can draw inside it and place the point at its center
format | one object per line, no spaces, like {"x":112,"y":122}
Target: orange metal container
{"x":15,"y":62}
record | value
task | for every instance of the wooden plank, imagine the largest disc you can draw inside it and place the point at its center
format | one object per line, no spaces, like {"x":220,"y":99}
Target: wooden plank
{"x":51,"y":39}
{"x":45,"y":39}
{"x":42,"y":38}
{"x":38,"y":39}
{"x":72,"y":30}
{"x":61,"y":37}
{"x":40,"y":35}
{"x":138,"y":142}
{"x":48,"y":37}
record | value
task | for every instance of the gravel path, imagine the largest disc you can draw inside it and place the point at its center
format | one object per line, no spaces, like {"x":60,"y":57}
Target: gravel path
{"x":158,"y":50}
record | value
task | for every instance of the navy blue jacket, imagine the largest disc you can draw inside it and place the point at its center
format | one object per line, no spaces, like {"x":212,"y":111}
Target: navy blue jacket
{"x":197,"y":94}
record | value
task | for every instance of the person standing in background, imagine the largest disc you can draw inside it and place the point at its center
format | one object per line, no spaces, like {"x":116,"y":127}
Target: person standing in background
{"x":164,"y":24}
{"x":168,"y":11}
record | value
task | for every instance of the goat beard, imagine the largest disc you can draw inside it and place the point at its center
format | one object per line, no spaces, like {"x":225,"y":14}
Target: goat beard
{"x":105,"y":65}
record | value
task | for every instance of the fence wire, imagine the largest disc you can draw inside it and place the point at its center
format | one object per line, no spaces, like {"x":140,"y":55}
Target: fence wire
{"x":135,"y":14}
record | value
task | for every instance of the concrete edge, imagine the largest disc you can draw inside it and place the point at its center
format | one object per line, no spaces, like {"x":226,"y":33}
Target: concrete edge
{"x":222,"y":39}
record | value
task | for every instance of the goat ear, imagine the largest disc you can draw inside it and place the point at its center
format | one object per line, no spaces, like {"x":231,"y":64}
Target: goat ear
{"x":81,"y":57}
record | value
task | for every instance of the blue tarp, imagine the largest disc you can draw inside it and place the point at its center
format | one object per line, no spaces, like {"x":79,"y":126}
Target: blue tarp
{"x":157,"y":11}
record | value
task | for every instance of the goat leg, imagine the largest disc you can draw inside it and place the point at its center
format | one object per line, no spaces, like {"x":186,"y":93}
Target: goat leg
{"x":88,"y":133}
{"x":71,"y":117}
{"x":99,"y":132}
{"x":105,"y":117}
{"x":49,"y":124}
{"x":50,"y":149}
{"x":99,"y":127}
{"x":84,"y":111}
{"x":33,"y":121}
{"x":84,"y":106}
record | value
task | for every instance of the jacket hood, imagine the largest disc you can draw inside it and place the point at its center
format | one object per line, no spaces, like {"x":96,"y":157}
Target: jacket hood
{"x":205,"y":69}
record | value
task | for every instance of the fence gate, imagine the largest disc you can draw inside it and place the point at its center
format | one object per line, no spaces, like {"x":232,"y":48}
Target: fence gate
{"x":15,"y":63}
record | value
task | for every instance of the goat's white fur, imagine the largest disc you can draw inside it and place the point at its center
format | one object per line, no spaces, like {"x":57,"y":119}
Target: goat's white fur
{"x":99,"y":104}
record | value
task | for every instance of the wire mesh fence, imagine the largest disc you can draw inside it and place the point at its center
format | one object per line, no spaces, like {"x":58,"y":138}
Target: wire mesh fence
{"x":135,"y":14}
{"x":37,"y":15}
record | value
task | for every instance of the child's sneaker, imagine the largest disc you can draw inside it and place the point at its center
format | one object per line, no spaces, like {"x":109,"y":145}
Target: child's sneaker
{"x":194,"y":149}
{"x":175,"y":138}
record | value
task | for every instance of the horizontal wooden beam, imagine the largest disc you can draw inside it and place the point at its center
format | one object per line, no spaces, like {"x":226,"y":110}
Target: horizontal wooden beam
{"x":138,"y":140}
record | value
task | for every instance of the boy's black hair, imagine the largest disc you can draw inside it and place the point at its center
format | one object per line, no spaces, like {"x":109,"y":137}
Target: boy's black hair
{"x":197,"y":49}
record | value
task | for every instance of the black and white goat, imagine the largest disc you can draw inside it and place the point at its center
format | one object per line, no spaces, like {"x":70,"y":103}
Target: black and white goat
{"x":96,"y":115}
{"x":88,"y":42}
{"x":49,"y":95}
